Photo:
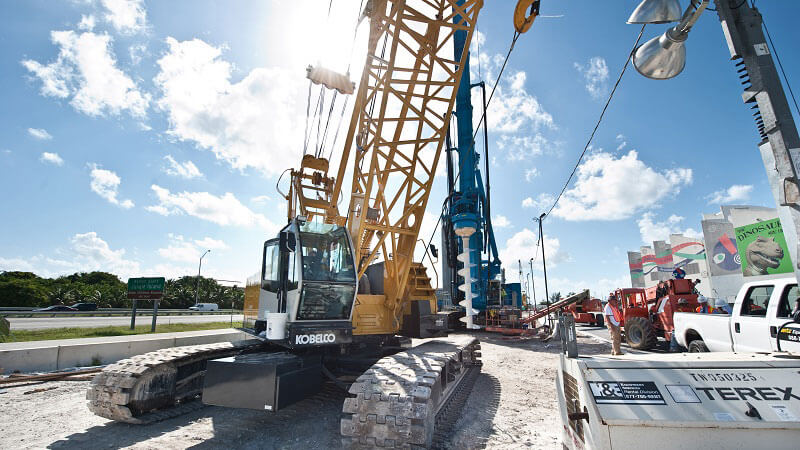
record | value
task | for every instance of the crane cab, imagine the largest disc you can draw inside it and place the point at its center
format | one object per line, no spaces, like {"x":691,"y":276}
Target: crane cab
{"x":308,"y":285}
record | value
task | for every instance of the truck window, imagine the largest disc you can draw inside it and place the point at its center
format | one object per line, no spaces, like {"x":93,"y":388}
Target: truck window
{"x":790,"y":295}
{"x":756,"y":301}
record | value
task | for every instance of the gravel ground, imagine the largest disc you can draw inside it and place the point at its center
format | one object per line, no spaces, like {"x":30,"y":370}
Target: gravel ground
{"x":513,"y":405}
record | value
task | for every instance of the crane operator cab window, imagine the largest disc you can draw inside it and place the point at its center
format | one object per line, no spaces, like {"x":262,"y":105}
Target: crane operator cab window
{"x":329,"y":277}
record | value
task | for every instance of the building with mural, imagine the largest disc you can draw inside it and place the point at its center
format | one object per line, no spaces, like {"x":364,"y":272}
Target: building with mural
{"x":655,"y":263}
{"x":740,"y":243}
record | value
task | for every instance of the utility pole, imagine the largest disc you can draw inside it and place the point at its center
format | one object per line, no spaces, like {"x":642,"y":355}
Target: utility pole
{"x":544,"y":264}
{"x":197,"y":285}
{"x":780,"y":144}
{"x":533,"y":285}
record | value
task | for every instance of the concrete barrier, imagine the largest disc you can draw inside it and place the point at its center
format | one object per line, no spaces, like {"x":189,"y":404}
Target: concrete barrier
{"x":43,"y":356}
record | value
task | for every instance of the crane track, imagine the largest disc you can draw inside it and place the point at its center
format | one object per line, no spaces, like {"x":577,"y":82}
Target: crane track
{"x":409,"y":399}
{"x":157,"y":385}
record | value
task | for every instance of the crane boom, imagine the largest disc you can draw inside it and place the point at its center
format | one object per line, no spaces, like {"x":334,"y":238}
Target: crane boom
{"x":405,"y":99}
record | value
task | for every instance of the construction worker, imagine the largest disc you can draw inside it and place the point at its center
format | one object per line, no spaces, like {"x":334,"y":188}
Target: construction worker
{"x":705,"y":305}
{"x":721,"y":307}
{"x":613,"y":319}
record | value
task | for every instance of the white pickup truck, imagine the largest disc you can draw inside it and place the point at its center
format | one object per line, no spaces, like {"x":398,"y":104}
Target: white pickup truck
{"x":761,"y":307}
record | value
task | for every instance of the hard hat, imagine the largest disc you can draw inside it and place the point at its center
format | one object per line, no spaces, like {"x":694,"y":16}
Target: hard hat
{"x":720,"y":302}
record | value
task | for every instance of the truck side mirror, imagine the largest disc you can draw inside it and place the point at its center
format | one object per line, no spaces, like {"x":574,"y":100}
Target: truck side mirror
{"x":287,"y":241}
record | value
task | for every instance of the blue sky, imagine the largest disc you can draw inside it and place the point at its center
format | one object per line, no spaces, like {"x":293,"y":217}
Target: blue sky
{"x":135,"y":135}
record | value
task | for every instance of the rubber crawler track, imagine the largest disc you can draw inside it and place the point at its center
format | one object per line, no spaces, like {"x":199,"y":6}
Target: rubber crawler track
{"x":157,"y":385}
{"x":400,"y":400}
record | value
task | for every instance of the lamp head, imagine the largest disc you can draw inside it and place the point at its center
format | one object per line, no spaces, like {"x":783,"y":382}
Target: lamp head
{"x":662,"y":57}
{"x":656,"y":11}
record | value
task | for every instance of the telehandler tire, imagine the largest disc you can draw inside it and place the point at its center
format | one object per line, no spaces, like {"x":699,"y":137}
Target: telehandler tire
{"x":640,"y":334}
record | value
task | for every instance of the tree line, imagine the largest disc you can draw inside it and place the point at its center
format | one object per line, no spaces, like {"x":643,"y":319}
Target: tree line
{"x":26,"y":289}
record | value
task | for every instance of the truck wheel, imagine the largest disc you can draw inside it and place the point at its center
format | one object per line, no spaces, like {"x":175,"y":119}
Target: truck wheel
{"x":697,"y":346}
{"x":600,"y":321}
{"x":640,"y":334}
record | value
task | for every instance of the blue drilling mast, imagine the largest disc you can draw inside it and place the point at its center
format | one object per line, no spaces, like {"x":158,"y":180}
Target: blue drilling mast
{"x":470,"y":260}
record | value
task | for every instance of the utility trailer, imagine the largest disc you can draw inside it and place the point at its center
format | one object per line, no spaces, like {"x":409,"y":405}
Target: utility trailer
{"x":689,"y":400}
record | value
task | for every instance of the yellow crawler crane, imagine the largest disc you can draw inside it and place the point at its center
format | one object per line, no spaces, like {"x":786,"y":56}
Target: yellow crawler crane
{"x":339,"y":294}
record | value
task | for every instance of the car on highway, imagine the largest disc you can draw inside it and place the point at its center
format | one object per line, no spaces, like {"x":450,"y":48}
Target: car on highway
{"x":56,"y":308}
{"x":85,"y":306}
{"x":205,"y":307}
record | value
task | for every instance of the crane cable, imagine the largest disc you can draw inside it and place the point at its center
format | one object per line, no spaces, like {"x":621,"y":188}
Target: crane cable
{"x":599,"y":120}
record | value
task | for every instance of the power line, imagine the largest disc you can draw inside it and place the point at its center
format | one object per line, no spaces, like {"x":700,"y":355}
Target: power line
{"x":599,"y":120}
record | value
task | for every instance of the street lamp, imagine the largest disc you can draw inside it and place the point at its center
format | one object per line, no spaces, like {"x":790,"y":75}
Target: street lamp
{"x":197,"y":286}
{"x":656,"y":11}
{"x":664,"y":56}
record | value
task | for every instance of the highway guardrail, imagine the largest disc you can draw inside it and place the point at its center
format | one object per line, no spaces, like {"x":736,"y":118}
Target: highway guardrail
{"x":116,"y":312}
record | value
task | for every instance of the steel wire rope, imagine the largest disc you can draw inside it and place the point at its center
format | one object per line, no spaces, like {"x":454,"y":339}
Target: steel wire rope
{"x":597,"y":125}
{"x":328,"y":122}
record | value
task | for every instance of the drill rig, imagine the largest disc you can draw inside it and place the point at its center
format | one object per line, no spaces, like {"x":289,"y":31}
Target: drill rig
{"x":340,"y":293}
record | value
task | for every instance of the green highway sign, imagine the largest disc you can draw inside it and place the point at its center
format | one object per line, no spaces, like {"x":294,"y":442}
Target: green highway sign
{"x":145,"y":288}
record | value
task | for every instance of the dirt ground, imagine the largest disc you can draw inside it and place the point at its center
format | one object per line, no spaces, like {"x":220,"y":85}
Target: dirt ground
{"x":513,"y":405}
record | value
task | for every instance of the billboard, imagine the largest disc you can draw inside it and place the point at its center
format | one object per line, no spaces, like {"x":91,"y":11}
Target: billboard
{"x":723,"y":254}
{"x":762,"y":248}
{"x":635,"y":267}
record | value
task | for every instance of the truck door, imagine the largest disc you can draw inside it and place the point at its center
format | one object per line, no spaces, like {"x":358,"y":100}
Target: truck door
{"x":790,"y":338}
{"x":750,"y":325}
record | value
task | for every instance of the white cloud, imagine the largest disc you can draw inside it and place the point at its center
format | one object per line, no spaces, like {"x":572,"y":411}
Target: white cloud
{"x":595,"y":74}
{"x":541,"y":202}
{"x":523,"y":147}
{"x":93,"y":253}
{"x":87,"y":23}
{"x":87,"y":252}
{"x":603,"y":189}
{"x":51,"y":158}
{"x":211,"y":243}
{"x":40,"y":133}
{"x":137,"y":52}
{"x":105,"y":183}
{"x":126,"y":16}
{"x":499,"y":221}
{"x":182,"y":250}
{"x":185,"y":169}
{"x":513,"y":108}
{"x":260,"y":199}
{"x":653,"y":230}
{"x":522,"y":246}
{"x":735,"y":193}
{"x":237,"y":121}
{"x":224,"y":210}
{"x":86,"y":70}
{"x":531,"y":173}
